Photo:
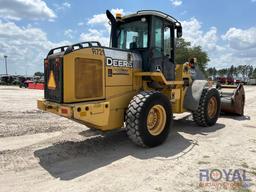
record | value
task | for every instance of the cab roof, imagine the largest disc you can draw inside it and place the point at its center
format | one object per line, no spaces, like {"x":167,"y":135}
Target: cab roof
{"x":155,"y":13}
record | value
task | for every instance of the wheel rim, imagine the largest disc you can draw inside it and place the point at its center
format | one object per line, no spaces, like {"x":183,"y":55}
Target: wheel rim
{"x":212,"y":107}
{"x":156,"y":120}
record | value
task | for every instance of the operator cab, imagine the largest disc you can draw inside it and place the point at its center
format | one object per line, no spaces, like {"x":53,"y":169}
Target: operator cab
{"x":151,"y":34}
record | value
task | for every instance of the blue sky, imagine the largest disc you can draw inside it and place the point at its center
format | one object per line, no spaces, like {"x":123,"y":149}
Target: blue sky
{"x":226,"y":29}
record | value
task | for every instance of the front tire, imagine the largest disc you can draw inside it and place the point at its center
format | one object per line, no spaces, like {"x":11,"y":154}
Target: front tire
{"x":148,"y":118}
{"x":208,"y":110}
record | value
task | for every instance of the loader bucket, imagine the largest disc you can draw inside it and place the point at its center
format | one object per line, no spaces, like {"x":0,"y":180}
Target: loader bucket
{"x":232,"y":99}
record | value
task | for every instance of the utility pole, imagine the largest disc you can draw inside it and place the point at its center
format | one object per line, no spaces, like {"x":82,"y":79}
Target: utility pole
{"x":5,"y":60}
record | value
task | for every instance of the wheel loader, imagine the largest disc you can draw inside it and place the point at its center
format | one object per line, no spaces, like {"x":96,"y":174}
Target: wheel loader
{"x":134,"y":83}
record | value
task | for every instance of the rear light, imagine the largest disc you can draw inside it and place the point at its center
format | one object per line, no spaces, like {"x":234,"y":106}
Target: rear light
{"x":64,"y":111}
{"x":57,"y":62}
{"x":46,"y":62}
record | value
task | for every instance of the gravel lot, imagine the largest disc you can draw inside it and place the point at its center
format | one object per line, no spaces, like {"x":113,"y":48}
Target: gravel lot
{"x":43,"y":152}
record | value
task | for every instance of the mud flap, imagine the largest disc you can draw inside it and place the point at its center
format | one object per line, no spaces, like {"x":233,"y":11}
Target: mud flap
{"x":193,"y":95}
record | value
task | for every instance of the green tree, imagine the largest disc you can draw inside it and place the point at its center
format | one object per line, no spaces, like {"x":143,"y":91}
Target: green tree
{"x":250,"y":71}
{"x":184,"y":52}
{"x":231,"y":71}
{"x":223,"y":72}
{"x":214,"y":72}
{"x":40,"y":74}
{"x":254,"y":73}
{"x":210,"y":71}
{"x":235,"y":72}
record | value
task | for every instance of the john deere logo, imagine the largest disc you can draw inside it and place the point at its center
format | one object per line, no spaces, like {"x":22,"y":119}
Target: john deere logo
{"x":51,"y":81}
{"x":117,"y":62}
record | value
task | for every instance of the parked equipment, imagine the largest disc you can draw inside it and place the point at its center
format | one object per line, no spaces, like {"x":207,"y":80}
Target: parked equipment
{"x":133,"y":83}
{"x":252,"y":82}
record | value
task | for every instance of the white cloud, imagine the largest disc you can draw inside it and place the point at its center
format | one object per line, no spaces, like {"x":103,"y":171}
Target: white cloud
{"x":29,"y":9}
{"x":100,"y":21}
{"x":176,"y":3}
{"x":95,"y":35}
{"x":253,"y":1}
{"x":235,"y":47}
{"x":26,"y":47}
{"x":69,"y":33}
{"x":102,"y":18}
{"x":80,"y":24}
{"x":66,"y":4}
{"x":63,"y":6}
{"x":99,"y":18}
{"x":240,"y":39}
{"x":192,"y":32}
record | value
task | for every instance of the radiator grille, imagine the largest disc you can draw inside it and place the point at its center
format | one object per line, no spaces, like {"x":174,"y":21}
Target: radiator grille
{"x":88,"y":78}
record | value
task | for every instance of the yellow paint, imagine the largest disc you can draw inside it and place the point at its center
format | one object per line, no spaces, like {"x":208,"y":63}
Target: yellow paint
{"x":120,"y":85}
{"x":92,"y":114}
{"x":118,"y":76}
{"x":69,"y":74}
{"x":156,"y":120}
{"x":158,"y":77}
{"x":51,"y":83}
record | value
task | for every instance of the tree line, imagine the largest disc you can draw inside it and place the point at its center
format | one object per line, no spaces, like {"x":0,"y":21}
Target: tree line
{"x":184,"y":52}
{"x":243,"y":71}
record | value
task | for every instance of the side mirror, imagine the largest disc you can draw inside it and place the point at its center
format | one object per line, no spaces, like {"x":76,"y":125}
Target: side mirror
{"x":179,"y":31}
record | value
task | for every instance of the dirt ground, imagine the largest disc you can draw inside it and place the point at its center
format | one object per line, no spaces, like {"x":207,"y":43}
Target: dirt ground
{"x":43,"y":152}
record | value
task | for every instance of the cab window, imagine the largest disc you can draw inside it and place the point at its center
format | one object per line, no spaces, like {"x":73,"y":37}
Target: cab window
{"x":157,"y":35}
{"x":133,"y":34}
{"x":167,"y":41}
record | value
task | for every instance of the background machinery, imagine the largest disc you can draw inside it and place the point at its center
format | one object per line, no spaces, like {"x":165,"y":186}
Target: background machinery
{"x":133,"y":83}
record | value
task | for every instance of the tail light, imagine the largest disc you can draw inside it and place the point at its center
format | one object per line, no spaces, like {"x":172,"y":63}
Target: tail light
{"x":46,"y":62}
{"x":57,"y":62}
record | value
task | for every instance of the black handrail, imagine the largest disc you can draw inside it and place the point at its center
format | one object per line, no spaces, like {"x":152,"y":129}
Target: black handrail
{"x":70,"y":48}
{"x":62,"y":48}
{"x":81,"y":45}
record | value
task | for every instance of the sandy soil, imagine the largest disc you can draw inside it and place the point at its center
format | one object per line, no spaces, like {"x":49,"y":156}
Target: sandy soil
{"x":44,"y":152}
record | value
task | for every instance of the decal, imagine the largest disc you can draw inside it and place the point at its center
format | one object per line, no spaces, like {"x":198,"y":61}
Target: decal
{"x":51,"y":82}
{"x":121,"y":71}
{"x":118,"y":62}
{"x":110,"y":73}
{"x":96,"y":51}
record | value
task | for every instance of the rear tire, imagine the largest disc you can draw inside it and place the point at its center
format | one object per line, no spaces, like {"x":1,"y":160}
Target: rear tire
{"x":209,"y":108}
{"x":148,"y":118}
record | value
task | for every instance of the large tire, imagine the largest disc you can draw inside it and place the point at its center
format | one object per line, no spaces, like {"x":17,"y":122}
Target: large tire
{"x":148,"y":118}
{"x":207,"y":113}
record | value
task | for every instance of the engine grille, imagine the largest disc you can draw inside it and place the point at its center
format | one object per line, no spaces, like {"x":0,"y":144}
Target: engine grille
{"x":88,"y":78}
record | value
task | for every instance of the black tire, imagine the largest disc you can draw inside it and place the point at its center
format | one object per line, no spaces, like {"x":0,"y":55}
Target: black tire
{"x":201,"y":116}
{"x":136,"y":118}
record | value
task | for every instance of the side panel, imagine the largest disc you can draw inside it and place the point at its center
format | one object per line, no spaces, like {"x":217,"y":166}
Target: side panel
{"x":84,"y":75}
{"x":121,"y":84}
{"x":119,"y":76}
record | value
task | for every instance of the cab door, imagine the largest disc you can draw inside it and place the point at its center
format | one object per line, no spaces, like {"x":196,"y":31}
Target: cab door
{"x":162,"y":38}
{"x":168,"y":53}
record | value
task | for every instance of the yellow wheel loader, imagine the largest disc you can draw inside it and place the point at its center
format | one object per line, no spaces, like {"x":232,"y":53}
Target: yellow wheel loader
{"x":133,"y":83}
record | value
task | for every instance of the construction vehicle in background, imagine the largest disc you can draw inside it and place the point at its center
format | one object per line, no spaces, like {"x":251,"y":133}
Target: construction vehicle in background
{"x":133,"y":83}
